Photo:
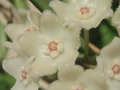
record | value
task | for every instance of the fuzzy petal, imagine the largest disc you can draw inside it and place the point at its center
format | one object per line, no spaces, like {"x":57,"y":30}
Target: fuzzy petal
{"x":31,"y":43}
{"x":70,"y":72}
{"x":34,"y":18}
{"x":70,"y":12}
{"x":15,"y":30}
{"x":64,"y":10}
{"x":116,"y":19}
{"x":89,"y":80}
{"x":41,"y":67}
{"x":21,"y":86}
{"x":12,"y":66}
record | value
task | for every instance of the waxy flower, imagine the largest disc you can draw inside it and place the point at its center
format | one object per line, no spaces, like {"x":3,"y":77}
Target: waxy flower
{"x":15,"y":30}
{"x":18,"y":68}
{"x":74,"y":78}
{"x":83,"y":13}
{"x":52,"y":45}
{"x":116,"y":19}
{"x":109,"y":63}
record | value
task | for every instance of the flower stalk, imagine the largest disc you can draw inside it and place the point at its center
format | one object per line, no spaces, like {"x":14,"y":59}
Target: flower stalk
{"x":86,"y":38}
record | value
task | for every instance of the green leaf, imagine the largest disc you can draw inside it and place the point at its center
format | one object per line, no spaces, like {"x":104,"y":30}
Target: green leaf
{"x":6,"y":81}
{"x":20,"y":3}
{"x":41,"y":4}
{"x":3,"y":38}
{"x":103,"y":35}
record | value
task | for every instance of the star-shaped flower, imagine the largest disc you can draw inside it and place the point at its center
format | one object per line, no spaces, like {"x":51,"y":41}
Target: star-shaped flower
{"x":109,"y":63}
{"x":52,"y":45}
{"x":18,"y":68}
{"x":30,"y":24}
{"x":82,"y":13}
{"x":73,"y":77}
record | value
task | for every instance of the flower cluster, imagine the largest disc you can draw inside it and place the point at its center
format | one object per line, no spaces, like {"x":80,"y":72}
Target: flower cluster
{"x":47,"y":43}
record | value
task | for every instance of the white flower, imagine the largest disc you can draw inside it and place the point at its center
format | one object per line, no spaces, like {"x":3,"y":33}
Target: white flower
{"x":116,"y":19}
{"x":15,"y":30}
{"x":74,"y":78}
{"x":52,"y":45}
{"x":109,"y":59}
{"x":18,"y":68}
{"x":83,"y":13}
{"x":109,"y":63}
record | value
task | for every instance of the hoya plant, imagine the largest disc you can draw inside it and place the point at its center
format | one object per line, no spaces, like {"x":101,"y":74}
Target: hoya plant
{"x":64,"y":45}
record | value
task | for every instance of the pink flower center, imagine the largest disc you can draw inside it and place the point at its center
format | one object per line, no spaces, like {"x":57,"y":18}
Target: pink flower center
{"x":53,"y":46}
{"x":24,"y":75}
{"x":84,"y":10}
{"x":116,"y":69}
{"x":29,"y":30}
{"x":79,"y":89}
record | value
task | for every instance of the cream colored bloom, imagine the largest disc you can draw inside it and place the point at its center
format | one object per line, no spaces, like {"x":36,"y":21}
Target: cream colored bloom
{"x":15,"y":30}
{"x":18,"y":68}
{"x":109,"y":63}
{"x":74,"y":78}
{"x":83,"y":13}
{"x":116,"y":19}
{"x":109,"y":59}
{"x":52,"y":45}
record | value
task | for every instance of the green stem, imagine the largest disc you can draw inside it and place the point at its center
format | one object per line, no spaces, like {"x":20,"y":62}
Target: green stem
{"x":86,"y":38}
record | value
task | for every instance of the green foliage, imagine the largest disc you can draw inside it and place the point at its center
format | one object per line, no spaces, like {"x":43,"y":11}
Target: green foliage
{"x":3,"y":38}
{"x":19,"y":3}
{"x":41,"y":4}
{"x":103,"y":35}
{"x":6,"y":81}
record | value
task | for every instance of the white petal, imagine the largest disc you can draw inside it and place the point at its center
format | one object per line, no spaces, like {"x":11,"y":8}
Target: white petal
{"x":12,"y":66}
{"x":109,"y":54}
{"x":113,"y":84}
{"x":49,"y":23}
{"x":34,"y":18}
{"x":58,"y":85}
{"x":93,"y":80}
{"x":21,"y":86}
{"x":70,"y":72}
{"x":89,"y":80}
{"x":116,"y":19}
{"x":99,"y":64}
{"x":64,"y":10}
{"x":41,"y":67}
{"x":112,"y":50}
{"x":31,"y":43}
{"x":32,"y":7}
{"x":15,"y":30}
{"x":70,"y":12}
{"x":56,"y":30}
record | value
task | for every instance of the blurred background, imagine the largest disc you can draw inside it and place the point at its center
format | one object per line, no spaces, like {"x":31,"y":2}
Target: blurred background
{"x":100,"y":36}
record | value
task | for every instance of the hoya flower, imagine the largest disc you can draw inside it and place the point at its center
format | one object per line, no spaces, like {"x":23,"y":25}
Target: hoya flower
{"x":14,"y":30}
{"x":116,"y":19}
{"x":83,"y":13}
{"x":18,"y":68}
{"x":109,"y":59}
{"x":52,"y":45}
{"x":109,"y":63}
{"x":74,"y":78}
